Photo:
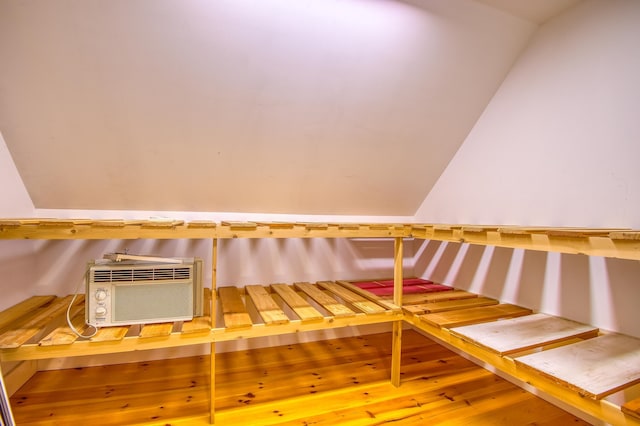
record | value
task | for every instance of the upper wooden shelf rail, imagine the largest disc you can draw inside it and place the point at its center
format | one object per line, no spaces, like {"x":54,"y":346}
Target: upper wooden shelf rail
{"x":606,"y":242}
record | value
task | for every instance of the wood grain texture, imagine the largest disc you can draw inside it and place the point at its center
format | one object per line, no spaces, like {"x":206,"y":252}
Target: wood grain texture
{"x":234,"y":311}
{"x":15,"y":312}
{"x":40,"y":319}
{"x":449,"y":305}
{"x":360,"y":302}
{"x":441,"y":296}
{"x":523,"y":333}
{"x":596,"y":367}
{"x":332,"y":382}
{"x":268,"y":309}
{"x":332,"y":306}
{"x":301,"y":307}
{"x":474,"y":315}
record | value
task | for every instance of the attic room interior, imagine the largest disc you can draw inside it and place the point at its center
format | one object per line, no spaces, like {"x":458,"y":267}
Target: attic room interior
{"x":372,"y":211}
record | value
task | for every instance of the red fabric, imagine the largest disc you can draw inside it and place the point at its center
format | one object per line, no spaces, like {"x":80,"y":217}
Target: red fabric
{"x":409,"y":286}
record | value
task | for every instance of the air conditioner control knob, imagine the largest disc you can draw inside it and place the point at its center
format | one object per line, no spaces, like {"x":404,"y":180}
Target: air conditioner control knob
{"x":101,"y":294}
{"x":101,"y":312}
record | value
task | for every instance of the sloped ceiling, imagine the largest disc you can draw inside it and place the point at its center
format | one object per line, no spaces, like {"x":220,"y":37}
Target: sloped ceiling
{"x":272,"y":106}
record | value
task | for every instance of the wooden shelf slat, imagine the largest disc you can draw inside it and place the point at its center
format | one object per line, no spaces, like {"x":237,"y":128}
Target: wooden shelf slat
{"x":360,"y":302}
{"x":63,"y":335}
{"x":461,"y":317}
{"x":234,"y":225}
{"x":203,"y":323}
{"x":449,"y":305}
{"x":156,"y":330}
{"x":334,"y":307}
{"x":234,"y":311}
{"x":625,"y":235}
{"x":301,"y":307}
{"x":632,"y":408}
{"x":387,"y":303}
{"x":110,"y":334}
{"x":523,"y":333}
{"x":33,"y":324}
{"x":266,"y":306}
{"x":440,"y":296}
{"x":14,"y":313}
{"x":595,"y":367}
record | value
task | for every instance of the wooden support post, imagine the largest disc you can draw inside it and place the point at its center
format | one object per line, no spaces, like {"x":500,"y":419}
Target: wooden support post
{"x":396,"y":344}
{"x":212,"y":384}
{"x":212,"y":355}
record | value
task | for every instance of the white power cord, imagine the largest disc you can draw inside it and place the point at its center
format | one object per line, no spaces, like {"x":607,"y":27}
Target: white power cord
{"x":75,"y":295}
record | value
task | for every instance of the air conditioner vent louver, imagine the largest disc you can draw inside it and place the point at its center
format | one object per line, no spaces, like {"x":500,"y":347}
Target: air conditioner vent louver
{"x":141,"y":274}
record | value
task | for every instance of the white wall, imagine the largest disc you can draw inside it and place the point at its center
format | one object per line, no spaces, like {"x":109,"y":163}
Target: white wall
{"x":14,"y":199}
{"x":557,"y":146}
{"x":321,"y":106}
{"x":16,"y":257}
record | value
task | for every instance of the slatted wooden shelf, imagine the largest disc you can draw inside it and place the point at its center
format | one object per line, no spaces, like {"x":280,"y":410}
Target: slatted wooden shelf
{"x":595,"y":367}
{"x":524,"y":333}
{"x":608,"y":242}
{"x":157,"y":229}
{"x":563,"y":358}
{"x":36,"y":328}
{"x":280,"y":308}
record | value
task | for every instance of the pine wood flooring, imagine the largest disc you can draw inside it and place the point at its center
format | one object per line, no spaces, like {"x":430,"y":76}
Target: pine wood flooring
{"x":331,"y":382}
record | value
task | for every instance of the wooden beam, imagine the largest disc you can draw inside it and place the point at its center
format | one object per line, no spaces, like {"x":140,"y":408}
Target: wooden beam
{"x":396,"y":342}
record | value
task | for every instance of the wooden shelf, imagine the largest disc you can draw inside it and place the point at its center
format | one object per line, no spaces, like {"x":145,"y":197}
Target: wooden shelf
{"x":37,"y":328}
{"x":64,"y":229}
{"x":606,"y":242}
{"x":595,"y":367}
{"x":566,"y":360}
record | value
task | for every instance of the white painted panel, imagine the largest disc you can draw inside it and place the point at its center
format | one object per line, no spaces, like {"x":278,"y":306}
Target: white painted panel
{"x":558,"y":144}
{"x":14,"y":198}
{"x":280,"y":106}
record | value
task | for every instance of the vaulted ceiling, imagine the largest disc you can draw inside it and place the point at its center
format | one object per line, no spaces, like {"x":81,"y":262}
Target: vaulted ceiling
{"x":272,"y":106}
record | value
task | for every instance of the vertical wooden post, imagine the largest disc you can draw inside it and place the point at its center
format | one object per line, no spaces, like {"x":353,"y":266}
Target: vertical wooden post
{"x":212,"y":355}
{"x":396,"y":344}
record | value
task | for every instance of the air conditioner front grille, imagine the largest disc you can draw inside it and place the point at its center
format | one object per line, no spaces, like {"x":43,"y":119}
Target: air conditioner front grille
{"x":140,"y":274}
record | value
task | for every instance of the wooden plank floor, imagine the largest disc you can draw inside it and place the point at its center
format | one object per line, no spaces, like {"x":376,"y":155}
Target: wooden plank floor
{"x":332,"y":382}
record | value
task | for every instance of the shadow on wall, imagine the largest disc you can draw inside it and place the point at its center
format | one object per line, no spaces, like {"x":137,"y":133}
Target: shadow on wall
{"x":17,"y":269}
{"x":267,"y":261}
{"x":61,"y":265}
{"x":594,"y":290}
{"x":58,"y":267}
